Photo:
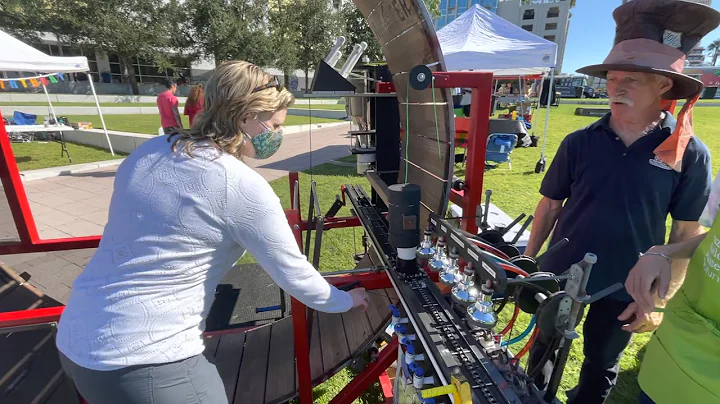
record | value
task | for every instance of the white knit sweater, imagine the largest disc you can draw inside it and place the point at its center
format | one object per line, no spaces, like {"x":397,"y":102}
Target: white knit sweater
{"x":176,"y":226}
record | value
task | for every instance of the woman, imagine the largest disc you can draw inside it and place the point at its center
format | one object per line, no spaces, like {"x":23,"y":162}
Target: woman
{"x":194,"y":103}
{"x":184,"y":209}
{"x":682,"y":359}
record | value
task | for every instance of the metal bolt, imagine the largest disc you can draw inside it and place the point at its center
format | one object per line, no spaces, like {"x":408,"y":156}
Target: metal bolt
{"x":296,"y":227}
{"x":421,"y":77}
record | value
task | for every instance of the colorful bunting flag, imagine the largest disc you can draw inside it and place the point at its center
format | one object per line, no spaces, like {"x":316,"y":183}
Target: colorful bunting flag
{"x":13,"y":84}
{"x":53,"y":79}
{"x":62,"y":76}
{"x":2,"y":85}
{"x":44,"y":81}
{"x":34,"y":82}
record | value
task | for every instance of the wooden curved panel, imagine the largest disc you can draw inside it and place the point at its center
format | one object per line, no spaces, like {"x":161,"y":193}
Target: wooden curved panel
{"x":406,"y":33}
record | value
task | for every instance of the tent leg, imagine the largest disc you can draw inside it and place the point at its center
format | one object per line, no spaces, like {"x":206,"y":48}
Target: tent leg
{"x":63,"y":146}
{"x":540,"y":166}
{"x":102,"y":120}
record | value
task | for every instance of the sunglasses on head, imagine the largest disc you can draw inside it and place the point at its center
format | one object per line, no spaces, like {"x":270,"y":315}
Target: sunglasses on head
{"x":273,"y":83}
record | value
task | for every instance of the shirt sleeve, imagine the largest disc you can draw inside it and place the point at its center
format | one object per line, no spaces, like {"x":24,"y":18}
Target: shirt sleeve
{"x":558,"y":179}
{"x":691,"y":194}
{"x":257,"y":222}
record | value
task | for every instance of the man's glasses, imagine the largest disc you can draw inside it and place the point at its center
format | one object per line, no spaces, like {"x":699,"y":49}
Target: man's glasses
{"x":273,"y":83}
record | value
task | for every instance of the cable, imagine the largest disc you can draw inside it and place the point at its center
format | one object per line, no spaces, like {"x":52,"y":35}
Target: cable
{"x":546,"y":357}
{"x":512,"y":320}
{"x":522,"y":335}
{"x":513,"y":269}
{"x":527,"y":346}
{"x":407,"y":126}
{"x":437,"y":128}
{"x":490,"y":249}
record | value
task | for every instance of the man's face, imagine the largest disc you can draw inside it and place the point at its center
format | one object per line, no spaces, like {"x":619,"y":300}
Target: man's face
{"x":173,"y":88}
{"x":634,"y":91}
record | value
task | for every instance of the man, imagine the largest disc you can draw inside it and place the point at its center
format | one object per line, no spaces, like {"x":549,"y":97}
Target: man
{"x":167,"y":104}
{"x":611,"y":185}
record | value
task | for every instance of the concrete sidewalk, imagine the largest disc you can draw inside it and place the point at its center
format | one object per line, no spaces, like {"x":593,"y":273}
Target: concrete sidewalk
{"x":76,"y":205}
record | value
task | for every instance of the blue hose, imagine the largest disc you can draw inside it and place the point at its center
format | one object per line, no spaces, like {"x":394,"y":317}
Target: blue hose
{"x":524,"y":334}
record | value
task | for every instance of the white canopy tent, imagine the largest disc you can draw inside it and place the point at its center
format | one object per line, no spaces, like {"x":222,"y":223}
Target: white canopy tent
{"x":18,"y":56}
{"x":480,"y":40}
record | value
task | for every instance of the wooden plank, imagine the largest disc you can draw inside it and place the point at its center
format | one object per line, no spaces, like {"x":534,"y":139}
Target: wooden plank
{"x":254,"y":366}
{"x":334,"y":345}
{"x":18,"y":349}
{"x":433,"y":190}
{"x":392,"y":294}
{"x":366,"y":6}
{"x":377,"y":311}
{"x":211,"y":345}
{"x":357,"y":329}
{"x":402,"y":58}
{"x":316,"y":356}
{"x":281,"y":382}
{"x":405,"y":91}
{"x":392,"y":17}
{"x":35,"y":376}
{"x":227,"y":360}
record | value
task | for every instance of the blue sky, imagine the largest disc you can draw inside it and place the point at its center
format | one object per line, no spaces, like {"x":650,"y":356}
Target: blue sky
{"x":592,"y":30}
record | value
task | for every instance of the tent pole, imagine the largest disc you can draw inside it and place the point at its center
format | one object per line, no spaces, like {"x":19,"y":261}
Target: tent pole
{"x":547,"y":109}
{"x":520,"y":94}
{"x":102,"y":120}
{"x":52,"y":110}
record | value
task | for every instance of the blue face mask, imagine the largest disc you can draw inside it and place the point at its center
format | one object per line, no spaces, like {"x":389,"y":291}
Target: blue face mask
{"x":267,"y":142}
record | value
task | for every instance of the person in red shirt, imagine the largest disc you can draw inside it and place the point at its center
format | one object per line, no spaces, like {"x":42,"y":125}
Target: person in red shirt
{"x":194,"y":103}
{"x":167,"y":104}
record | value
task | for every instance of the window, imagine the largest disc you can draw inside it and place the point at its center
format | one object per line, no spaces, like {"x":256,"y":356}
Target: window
{"x":527,"y":27}
{"x":529,"y":14}
{"x":553,"y":12}
{"x":551,"y":26}
{"x":550,"y":37}
{"x":337,"y":4}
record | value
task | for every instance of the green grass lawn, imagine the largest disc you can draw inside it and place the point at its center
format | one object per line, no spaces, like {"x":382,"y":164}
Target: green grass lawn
{"x":36,"y":155}
{"x":149,"y":124}
{"x":514,"y":191}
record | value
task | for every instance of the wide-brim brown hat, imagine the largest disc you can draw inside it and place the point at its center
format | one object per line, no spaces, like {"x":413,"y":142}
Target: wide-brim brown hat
{"x":654,"y":36}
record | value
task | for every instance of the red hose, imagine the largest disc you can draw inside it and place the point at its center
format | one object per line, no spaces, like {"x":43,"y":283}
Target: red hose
{"x":490,"y":249}
{"x":509,"y":326}
{"x":527,"y":346}
{"x":513,"y":269}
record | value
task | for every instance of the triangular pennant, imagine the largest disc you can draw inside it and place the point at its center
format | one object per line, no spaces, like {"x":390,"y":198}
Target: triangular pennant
{"x":24,"y":84}
{"x":2,"y":85}
{"x":13,"y":84}
{"x":44,"y":81}
{"x":62,"y":76}
{"x":34,"y":82}
{"x":52,"y":79}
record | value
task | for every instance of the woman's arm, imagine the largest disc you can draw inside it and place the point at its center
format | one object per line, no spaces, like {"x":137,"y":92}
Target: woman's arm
{"x":257,"y":222}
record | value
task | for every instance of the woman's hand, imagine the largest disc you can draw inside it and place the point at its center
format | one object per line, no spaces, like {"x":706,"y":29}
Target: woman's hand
{"x":650,"y":274}
{"x":359,"y":298}
{"x":637,"y":321}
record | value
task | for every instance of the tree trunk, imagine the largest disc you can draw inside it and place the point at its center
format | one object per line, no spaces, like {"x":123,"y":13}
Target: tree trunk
{"x":715,"y":56}
{"x":286,"y":80}
{"x":128,"y":73}
{"x":307,"y":80}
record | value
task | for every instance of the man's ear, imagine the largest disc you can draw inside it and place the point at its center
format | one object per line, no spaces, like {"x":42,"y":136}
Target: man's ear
{"x":667,"y":84}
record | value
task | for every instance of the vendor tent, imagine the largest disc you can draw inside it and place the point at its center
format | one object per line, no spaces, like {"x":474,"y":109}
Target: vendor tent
{"x":479,"y":40}
{"x":482,"y":41}
{"x":17,"y":56}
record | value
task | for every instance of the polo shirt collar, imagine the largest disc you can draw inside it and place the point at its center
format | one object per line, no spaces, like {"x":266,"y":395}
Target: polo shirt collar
{"x":604,"y":123}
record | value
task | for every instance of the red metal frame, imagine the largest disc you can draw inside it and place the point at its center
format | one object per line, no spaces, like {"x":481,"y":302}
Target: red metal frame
{"x":363,"y":380}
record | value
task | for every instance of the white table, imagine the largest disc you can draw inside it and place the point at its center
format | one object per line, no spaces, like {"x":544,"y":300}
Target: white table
{"x":497,"y":217}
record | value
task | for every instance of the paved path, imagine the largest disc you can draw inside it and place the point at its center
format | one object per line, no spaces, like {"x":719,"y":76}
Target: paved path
{"x":77,"y":205}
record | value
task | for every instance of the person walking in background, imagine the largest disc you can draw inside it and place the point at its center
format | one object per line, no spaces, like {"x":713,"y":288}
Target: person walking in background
{"x":194,"y":103}
{"x":167,"y":104}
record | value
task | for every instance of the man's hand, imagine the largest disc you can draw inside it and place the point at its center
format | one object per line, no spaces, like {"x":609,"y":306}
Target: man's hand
{"x":639,"y":321}
{"x":359,"y":298}
{"x":651,"y":273}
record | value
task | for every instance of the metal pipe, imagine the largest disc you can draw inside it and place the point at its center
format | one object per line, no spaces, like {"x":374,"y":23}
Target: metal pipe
{"x":102,"y":120}
{"x":334,"y":53}
{"x":355,"y":271}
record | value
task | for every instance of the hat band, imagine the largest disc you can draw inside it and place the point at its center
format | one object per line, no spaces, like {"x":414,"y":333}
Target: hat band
{"x":647,"y":53}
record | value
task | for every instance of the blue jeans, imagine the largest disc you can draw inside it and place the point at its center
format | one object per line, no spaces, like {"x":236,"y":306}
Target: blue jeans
{"x":193,"y":381}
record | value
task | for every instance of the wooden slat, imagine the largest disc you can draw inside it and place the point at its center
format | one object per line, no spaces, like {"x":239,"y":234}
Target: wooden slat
{"x":392,"y":294}
{"x":391,"y":17}
{"x":211,"y":345}
{"x":357,"y":329}
{"x":431,"y":154}
{"x":405,"y":91}
{"x":422,"y":121}
{"x":402,"y":58}
{"x":432,"y":189}
{"x":227,"y":360}
{"x":377,"y":311}
{"x":253,"y":370}
{"x":36,"y":375}
{"x":334,"y":345}
{"x":316,"y":357}
{"x":366,"y":6}
{"x":281,"y":382}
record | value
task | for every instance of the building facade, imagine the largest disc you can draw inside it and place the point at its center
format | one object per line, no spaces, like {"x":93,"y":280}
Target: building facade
{"x":549,"y":19}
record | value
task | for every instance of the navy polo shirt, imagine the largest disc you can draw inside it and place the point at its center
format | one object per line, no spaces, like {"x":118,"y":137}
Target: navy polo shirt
{"x":617,"y":198}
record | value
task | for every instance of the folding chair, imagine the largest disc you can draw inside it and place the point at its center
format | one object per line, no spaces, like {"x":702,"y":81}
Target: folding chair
{"x":499,"y":147}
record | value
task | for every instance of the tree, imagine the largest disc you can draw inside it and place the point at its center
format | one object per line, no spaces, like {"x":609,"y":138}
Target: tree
{"x":284,"y":36}
{"x":714,"y":50}
{"x":229,"y":29}
{"x":357,"y":30}
{"x":433,"y":7}
{"x":319,"y":26}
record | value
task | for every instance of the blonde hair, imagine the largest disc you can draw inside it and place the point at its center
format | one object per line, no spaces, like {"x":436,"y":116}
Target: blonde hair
{"x":230,"y":99}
